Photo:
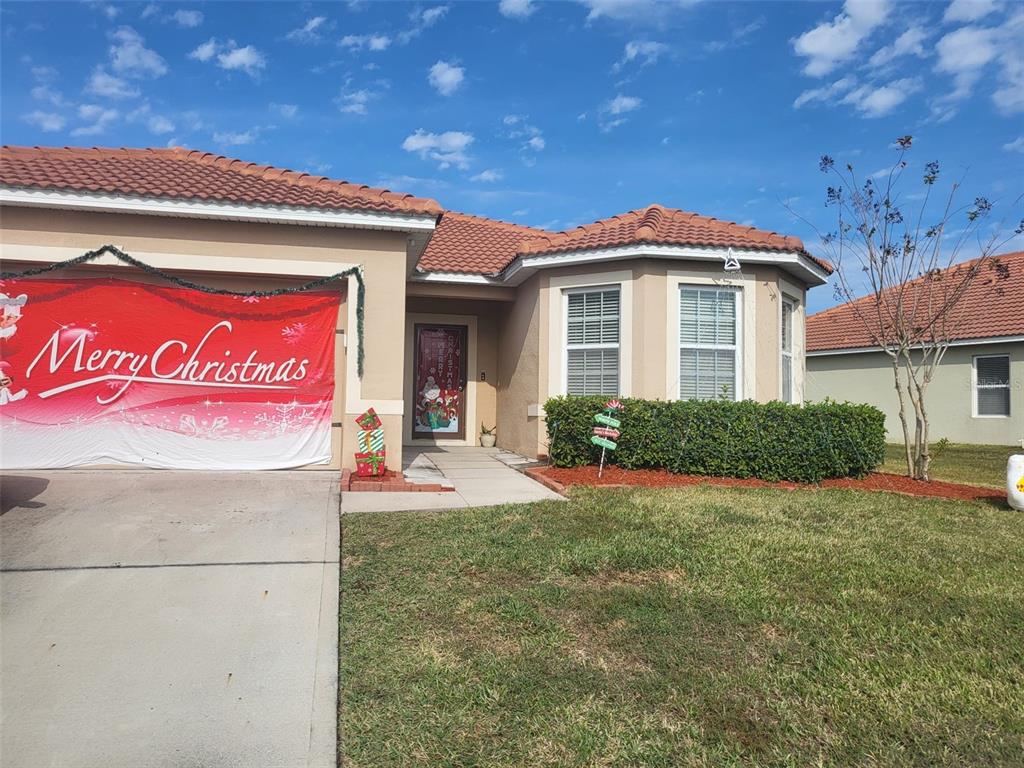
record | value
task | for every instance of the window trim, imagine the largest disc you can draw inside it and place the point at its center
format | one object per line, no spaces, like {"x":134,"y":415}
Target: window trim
{"x":564,"y":341}
{"x":975,"y":387}
{"x":791,"y":395}
{"x":737,"y":347}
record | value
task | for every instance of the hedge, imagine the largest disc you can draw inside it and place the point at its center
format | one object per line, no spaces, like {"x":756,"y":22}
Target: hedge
{"x":771,"y":441}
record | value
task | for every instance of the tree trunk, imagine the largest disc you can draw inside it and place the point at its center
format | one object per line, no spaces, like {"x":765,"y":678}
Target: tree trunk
{"x":903,"y":416}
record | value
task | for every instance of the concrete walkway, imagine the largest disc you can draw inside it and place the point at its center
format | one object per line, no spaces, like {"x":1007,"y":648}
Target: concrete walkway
{"x":168,"y":619}
{"x":481,"y":477}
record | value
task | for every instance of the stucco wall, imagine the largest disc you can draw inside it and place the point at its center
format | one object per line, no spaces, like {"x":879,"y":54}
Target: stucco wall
{"x":519,"y":371}
{"x":867,"y":378}
{"x":182,"y":245}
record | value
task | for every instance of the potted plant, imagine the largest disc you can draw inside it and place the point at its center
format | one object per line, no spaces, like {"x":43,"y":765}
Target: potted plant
{"x":487,"y":436}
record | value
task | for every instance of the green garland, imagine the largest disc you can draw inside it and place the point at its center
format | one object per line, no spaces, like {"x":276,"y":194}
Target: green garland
{"x":120,"y":255}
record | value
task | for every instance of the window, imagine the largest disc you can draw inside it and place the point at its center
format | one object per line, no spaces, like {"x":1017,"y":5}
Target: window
{"x":708,"y":332}
{"x":992,"y":385}
{"x":592,"y":342}
{"x":786,"y":344}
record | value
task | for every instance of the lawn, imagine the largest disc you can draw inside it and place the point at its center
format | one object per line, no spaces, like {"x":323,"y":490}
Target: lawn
{"x":693,"y":627}
{"x":959,"y":463}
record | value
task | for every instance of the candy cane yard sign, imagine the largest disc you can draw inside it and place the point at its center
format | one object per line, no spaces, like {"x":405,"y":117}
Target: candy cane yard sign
{"x":607,"y":433}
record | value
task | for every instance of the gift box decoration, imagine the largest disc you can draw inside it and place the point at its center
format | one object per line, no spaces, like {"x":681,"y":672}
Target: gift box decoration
{"x":370,"y":440}
{"x":369,"y":420}
{"x":370,"y":464}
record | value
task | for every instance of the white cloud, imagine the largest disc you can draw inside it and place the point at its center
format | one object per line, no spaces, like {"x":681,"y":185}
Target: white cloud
{"x":46,"y":93}
{"x":369,"y":42}
{"x":645,"y":52}
{"x":489,"y":175}
{"x":536,"y":143}
{"x":634,"y":11}
{"x":205,"y":51}
{"x":516,"y":9}
{"x":98,"y":118}
{"x":247,"y":59}
{"x":831,"y":43}
{"x":519,"y":129}
{"x":907,"y":44}
{"x":49,"y":122}
{"x":45,"y":74}
{"x":1017,"y":145}
{"x":420,"y":20}
{"x":102,"y":83}
{"x":446,"y":77}
{"x":354,"y":102}
{"x":187,"y":19}
{"x":236,"y":139}
{"x":230,"y":56}
{"x":285,"y":110}
{"x":963,"y":55}
{"x":738,"y":36}
{"x":825,"y":93}
{"x":447,"y":149}
{"x":150,"y":10}
{"x":880,"y":100}
{"x":129,"y":55}
{"x":157,"y":124}
{"x":969,"y":10}
{"x":310,"y":32}
{"x":869,"y":99}
{"x":622,"y":104}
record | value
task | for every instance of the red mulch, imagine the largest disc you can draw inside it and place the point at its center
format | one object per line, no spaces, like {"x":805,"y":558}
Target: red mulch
{"x":660,"y":478}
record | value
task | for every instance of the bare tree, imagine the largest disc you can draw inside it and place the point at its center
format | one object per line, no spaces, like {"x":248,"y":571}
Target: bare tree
{"x":912,"y":268}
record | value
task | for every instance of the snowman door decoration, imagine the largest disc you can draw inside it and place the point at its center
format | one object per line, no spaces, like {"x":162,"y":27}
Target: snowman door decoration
{"x":8,"y":327}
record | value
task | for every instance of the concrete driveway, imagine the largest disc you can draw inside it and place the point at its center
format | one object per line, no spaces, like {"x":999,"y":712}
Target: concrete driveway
{"x":168,"y":619}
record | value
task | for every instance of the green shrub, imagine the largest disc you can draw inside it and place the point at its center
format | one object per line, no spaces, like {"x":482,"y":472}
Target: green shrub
{"x":772,"y":441}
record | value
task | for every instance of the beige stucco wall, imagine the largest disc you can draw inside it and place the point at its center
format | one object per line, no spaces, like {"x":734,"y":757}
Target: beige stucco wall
{"x":520,"y":371}
{"x":867,"y":378}
{"x":177,"y":242}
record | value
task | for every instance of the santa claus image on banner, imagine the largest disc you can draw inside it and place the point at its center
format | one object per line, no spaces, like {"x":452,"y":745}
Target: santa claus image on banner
{"x":8,"y":327}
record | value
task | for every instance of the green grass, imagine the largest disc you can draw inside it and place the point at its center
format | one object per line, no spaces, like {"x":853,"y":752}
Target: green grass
{"x":693,"y":627}
{"x":959,"y":463}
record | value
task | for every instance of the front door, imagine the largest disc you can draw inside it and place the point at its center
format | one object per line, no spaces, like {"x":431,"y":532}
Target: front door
{"x":439,"y":382}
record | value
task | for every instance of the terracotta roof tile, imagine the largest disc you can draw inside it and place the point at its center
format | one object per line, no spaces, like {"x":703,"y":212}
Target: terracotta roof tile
{"x":183,"y":174}
{"x":473,"y":244}
{"x":993,"y":307}
{"x":656,"y":224}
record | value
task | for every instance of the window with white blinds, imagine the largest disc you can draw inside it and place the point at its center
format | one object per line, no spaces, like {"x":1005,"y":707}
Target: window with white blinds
{"x":992,"y":385}
{"x":592,"y":342}
{"x":708,"y":333}
{"x":786,"y":344}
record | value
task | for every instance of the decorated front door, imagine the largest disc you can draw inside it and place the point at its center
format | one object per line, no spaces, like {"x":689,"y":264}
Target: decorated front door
{"x":439,"y":382}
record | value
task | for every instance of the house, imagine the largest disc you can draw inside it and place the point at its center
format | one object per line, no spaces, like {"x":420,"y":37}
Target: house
{"x":468,"y":320}
{"x":977,"y":394}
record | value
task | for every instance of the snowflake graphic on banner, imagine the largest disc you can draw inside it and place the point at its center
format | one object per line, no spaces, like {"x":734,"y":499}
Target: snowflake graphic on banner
{"x":203,"y":428}
{"x":285,"y":417}
{"x":294,"y":333}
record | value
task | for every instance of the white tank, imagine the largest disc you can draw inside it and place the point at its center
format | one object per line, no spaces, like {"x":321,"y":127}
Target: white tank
{"x":1015,"y":481}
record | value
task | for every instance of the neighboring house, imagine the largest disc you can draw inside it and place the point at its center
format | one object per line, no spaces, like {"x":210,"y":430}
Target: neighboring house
{"x":977,"y":395}
{"x":654,"y":303}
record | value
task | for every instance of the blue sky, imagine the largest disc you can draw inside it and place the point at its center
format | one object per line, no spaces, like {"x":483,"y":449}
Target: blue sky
{"x":550,"y":114}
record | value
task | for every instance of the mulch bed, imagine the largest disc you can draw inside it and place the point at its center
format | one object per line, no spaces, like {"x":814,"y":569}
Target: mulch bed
{"x":660,"y":478}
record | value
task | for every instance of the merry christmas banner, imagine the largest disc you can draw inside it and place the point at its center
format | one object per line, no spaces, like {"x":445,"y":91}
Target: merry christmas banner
{"x":111,"y":371}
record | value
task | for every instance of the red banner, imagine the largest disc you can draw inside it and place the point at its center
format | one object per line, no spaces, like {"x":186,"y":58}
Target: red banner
{"x":105,"y":370}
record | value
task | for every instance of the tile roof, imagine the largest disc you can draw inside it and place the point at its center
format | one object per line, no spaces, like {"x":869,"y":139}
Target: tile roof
{"x":182,"y":174}
{"x":478,"y":245}
{"x":992,"y":307}
{"x":474,"y":244}
{"x":658,"y":225}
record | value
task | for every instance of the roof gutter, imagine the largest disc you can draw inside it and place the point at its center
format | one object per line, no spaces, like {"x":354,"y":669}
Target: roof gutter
{"x":794,"y":262}
{"x":955,"y":343}
{"x":195,"y":209}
